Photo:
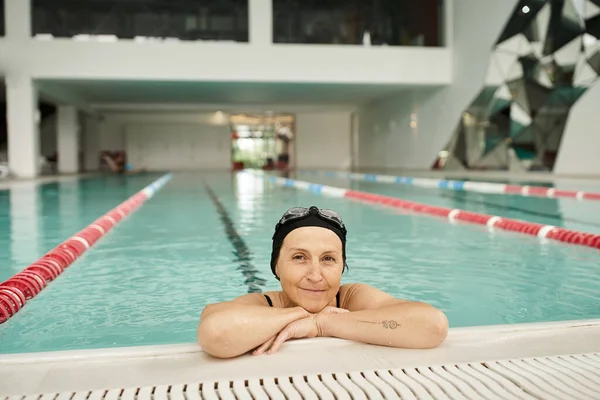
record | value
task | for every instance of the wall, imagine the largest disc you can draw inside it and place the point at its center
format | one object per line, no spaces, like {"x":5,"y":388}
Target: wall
{"x":386,"y":138}
{"x":323,"y":140}
{"x":178,"y":146}
{"x":580,"y":149}
{"x":160,"y":140}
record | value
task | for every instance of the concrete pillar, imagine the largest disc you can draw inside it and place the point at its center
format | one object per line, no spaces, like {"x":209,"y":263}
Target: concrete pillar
{"x":91,"y":144}
{"x":68,"y":140}
{"x":26,"y":224}
{"x":22,"y":123}
{"x":260,"y":29}
{"x":17,"y":16}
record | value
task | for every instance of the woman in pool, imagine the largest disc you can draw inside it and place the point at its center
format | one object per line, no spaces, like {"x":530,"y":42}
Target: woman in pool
{"x":308,"y":258}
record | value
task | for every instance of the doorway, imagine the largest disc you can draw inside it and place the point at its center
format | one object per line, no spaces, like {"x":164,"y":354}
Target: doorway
{"x":262,"y":141}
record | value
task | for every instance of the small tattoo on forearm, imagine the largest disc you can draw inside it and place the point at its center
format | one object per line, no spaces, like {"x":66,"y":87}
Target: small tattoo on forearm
{"x":391,"y":324}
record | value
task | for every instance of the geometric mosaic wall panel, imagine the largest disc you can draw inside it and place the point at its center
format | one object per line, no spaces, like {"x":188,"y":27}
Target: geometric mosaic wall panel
{"x":548,"y":55}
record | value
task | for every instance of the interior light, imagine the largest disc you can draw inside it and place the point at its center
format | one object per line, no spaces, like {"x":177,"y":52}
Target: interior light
{"x":525,"y":9}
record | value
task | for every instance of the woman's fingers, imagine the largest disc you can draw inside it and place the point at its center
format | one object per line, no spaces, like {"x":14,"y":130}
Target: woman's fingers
{"x":280,"y":339}
{"x":263,"y":347}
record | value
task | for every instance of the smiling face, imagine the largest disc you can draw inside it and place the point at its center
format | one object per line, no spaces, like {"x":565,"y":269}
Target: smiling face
{"x":310,"y":267}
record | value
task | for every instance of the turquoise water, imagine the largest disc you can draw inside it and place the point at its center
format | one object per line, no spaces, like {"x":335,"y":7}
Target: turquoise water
{"x":149,"y":279}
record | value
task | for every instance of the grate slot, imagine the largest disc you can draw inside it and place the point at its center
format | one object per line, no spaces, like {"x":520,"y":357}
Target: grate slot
{"x":400,"y":388}
{"x":114,"y":394}
{"x":256,"y":390}
{"x":429,"y":385}
{"x":353,"y":389}
{"x":381,"y":385}
{"x":419,"y":390}
{"x":366,"y":386}
{"x":526,"y":382}
{"x":240,"y":390}
{"x":224,"y":390}
{"x":161,"y":392}
{"x":146,"y":393}
{"x":339,"y":392}
{"x":482,"y":391}
{"x":288,"y":389}
{"x":301,"y":386}
{"x":194,"y":392}
{"x":315,"y":383}
{"x":581,"y":375}
{"x":273,"y":390}
{"x":461,"y":385}
{"x":177,"y":392}
{"x":446,"y":386}
{"x":502,"y":383}
{"x":564,"y":381}
{"x":541,"y":379}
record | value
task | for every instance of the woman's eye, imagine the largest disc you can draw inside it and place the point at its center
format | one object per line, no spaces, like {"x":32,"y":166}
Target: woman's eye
{"x":298,"y":257}
{"x":328,"y":258}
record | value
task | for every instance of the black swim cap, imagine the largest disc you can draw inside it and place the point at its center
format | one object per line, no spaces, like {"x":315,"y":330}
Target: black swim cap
{"x":312,"y":219}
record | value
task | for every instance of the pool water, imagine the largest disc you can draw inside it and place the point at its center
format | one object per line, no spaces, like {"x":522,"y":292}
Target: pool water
{"x":206,"y":237}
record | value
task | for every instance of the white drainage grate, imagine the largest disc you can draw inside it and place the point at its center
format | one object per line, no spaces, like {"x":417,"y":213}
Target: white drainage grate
{"x":556,"y":377}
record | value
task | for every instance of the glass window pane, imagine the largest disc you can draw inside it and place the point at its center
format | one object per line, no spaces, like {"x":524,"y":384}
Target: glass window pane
{"x":129,"y":19}
{"x":359,"y":22}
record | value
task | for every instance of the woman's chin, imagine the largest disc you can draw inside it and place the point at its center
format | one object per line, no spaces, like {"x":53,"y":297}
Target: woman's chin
{"x":313,"y":307}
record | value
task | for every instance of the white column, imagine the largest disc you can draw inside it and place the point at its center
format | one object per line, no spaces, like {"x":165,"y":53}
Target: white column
{"x":91,"y":145}
{"x":261,"y":22}
{"x":22,"y":124}
{"x":68,"y":140}
{"x":26,"y":227}
{"x":17,"y":14}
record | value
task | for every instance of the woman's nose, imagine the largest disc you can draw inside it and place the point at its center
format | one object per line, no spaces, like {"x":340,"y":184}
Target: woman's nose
{"x":314,"y":273}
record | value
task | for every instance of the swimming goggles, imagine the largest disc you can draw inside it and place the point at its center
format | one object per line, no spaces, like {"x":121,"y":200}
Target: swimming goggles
{"x":301,"y":212}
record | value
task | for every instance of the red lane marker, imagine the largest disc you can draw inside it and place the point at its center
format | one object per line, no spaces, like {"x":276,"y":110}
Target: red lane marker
{"x":15,"y":291}
{"x":28,"y":283}
{"x":513,"y":189}
{"x":565,"y":193}
{"x":528,"y":228}
{"x":591,"y":196}
{"x":9,"y":303}
{"x":537,"y":191}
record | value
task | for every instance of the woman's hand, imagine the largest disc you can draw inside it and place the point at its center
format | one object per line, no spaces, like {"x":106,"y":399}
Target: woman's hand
{"x":308,"y":327}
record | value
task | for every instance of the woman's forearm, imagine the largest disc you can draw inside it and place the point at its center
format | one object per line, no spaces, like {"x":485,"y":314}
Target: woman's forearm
{"x":406,"y":325}
{"x":230,"y":329}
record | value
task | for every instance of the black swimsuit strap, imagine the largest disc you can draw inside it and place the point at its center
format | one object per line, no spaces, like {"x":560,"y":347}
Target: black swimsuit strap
{"x":269,"y":301}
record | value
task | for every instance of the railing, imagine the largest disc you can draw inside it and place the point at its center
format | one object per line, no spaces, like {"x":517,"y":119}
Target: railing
{"x":121,"y":19}
{"x":362,"y":22}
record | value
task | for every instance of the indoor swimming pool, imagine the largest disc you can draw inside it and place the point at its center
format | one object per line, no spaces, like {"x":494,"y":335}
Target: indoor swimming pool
{"x":206,"y":237}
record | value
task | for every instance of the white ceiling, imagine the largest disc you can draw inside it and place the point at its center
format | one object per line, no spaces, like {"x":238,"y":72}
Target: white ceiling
{"x":106,"y":93}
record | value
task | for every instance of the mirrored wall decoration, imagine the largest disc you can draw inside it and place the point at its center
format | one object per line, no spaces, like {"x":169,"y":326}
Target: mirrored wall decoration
{"x":548,"y":55}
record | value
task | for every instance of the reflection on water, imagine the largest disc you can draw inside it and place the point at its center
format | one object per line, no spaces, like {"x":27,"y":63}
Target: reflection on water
{"x":243,"y":255}
{"x":26,"y":228}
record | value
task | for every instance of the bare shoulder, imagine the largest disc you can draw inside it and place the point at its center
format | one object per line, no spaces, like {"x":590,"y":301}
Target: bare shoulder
{"x":360,"y":296}
{"x":255,"y":299}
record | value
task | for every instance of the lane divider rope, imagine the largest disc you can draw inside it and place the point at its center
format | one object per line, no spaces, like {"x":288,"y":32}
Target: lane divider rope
{"x":24,"y":286}
{"x":467,"y":186}
{"x":453,"y":215}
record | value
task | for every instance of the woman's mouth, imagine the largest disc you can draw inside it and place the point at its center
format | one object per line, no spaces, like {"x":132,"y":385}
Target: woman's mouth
{"x":313,"y":290}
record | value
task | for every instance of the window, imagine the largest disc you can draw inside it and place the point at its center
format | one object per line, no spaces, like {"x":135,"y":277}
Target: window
{"x":375,"y":22}
{"x":143,"y":19}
